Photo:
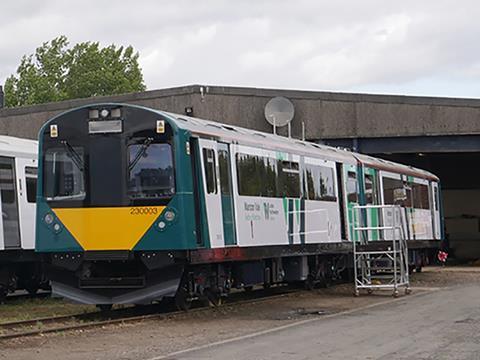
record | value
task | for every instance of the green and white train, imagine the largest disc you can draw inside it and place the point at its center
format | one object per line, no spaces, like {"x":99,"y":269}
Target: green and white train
{"x":136,"y":204}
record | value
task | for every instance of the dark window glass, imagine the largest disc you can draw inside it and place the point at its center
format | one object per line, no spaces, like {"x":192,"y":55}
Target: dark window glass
{"x":435,"y":189}
{"x":408,"y":193}
{"x":210,"y":172}
{"x":352,"y":193}
{"x":320,"y":182}
{"x":369,"y":190}
{"x":223,"y":162}
{"x":420,"y":196}
{"x":393,"y":191}
{"x":64,"y":174}
{"x":256,"y":175}
{"x":9,"y":202}
{"x":31,"y":183}
{"x":288,"y":179}
{"x":151,"y":172}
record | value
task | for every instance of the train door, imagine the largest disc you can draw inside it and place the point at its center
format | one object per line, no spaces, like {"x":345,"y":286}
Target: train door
{"x":211,"y":187}
{"x":394,"y":191}
{"x":371,"y":197}
{"x":436,"y":210}
{"x":408,"y":204}
{"x":9,"y":203}
{"x":226,"y":194}
{"x":27,"y":185}
{"x":351,"y":196}
{"x":341,"y":201}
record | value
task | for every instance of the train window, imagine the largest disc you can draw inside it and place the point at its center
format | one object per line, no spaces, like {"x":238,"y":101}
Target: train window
{"x":31,"y":183}
{"x":150,"y":171}
{"x":435,"y":191}
{"x":256,"y":175}
{"x":64,"y":173}
{"x":420,"y":196}
{"x":408,"y":195}
{"x":320,"y":182}
{"x":393,"y":191}
{"x":352,"y":193}
{"x":369,"y":190}
{"x":210,"y":170}
{"x":223,"y":166}
{"x":288,"y":179}
{"x":9,"y":202}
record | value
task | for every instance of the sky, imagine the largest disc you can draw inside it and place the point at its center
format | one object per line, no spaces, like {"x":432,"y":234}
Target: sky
{"x":421,"y":47}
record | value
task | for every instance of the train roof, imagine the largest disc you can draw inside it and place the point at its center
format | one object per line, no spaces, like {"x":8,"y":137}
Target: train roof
{"x":264,"y":140}
{"x":15,"y":146}
{"x":240,"y":135}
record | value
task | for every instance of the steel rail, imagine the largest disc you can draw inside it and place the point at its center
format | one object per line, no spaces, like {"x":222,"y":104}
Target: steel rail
{"x":12,"y":326}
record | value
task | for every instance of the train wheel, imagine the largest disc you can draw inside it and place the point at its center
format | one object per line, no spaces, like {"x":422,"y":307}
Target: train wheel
{"x":32,"y":287}
{"x":183,"y":301}
{"x":213,"y":298}
{"x":3,"y":293}
{"x":309,"y":283}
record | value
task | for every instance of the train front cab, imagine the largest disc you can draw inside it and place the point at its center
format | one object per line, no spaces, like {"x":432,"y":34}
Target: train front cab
{"x":115,"y":205}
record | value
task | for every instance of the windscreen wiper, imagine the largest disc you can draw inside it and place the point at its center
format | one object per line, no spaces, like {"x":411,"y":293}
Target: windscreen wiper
{"x":76,"y":158}
{"x":140,"y":153}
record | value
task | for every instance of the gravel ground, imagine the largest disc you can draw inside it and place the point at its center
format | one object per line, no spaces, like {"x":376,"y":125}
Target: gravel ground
{"x":156,"y":337}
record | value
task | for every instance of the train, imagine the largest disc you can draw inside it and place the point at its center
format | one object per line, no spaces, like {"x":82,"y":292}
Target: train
{"x":136,"y":205}
{"x":20,"y":266}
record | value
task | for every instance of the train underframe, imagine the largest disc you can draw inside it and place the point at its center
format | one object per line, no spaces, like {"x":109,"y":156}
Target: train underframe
{"x":21,"y":270}
{"x":142,"y":277}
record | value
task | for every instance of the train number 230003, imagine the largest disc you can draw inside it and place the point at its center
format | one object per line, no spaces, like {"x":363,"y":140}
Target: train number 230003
{"x":143,"y":211}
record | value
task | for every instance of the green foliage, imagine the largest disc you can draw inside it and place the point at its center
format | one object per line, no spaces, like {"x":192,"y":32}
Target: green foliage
{"x":56,"y":72}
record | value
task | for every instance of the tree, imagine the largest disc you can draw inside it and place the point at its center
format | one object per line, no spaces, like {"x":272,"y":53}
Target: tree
{"x":56,"y":72}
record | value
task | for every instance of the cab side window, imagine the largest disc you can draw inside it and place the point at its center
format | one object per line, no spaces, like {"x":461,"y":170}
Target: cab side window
{"x":210,"y":173}
{"x":31,"y":183}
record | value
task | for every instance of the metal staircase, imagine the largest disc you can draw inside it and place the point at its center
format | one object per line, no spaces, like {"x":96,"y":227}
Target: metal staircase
{"x":380,"y":252}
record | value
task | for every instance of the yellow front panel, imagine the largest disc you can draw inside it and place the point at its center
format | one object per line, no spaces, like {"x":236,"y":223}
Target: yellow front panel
{"x":116,"y":228}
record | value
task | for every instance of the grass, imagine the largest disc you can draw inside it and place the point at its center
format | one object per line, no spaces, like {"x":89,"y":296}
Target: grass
{"x":27,"y":309}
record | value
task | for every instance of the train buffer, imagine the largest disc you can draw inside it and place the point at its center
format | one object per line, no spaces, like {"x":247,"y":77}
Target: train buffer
{"x":380,"y":249}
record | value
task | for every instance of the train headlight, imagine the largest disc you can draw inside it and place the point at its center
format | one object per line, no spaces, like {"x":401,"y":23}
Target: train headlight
{"x":104,"y":113}
{"x":93,"y":114}
{"x":161,"y":225}
{"x":116,"y":113}
{"x":57,"y":228}
{"x":169,"y":215}
{"x":48,"y":219}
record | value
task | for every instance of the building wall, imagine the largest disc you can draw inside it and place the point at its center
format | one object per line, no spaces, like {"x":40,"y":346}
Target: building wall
{"x":326,"y":115}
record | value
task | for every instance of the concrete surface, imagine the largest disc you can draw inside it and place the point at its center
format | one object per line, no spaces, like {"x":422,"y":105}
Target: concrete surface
{"x":159,"y":338}
{"x":326,"y":115}
{"x":444,"y":325}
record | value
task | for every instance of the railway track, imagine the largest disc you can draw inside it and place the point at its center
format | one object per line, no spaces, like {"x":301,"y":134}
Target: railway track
{"x":48,"y":325}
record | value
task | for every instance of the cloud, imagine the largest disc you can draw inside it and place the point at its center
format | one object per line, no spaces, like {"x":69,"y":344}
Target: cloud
{"x":369,"y":46}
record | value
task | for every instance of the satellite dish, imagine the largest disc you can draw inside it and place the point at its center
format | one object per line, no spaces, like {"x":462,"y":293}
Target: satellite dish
{"x":279,"y":111}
